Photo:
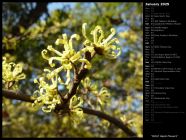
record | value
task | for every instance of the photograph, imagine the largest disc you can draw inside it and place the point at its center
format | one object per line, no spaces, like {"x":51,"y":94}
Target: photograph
{"x":72,"y":70}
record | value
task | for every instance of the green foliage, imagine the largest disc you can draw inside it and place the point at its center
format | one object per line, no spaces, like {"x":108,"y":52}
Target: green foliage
{"x":135,"y":64}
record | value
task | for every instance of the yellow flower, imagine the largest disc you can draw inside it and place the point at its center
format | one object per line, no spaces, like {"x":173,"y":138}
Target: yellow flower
{"x":12,"y":72}
{"x":76,"y":113}
{"x":88,"y":85}
{"x":47,"y":95}
{"x":67,"y":58}
{"x":100,"y":44}
{"x":103,"y":96}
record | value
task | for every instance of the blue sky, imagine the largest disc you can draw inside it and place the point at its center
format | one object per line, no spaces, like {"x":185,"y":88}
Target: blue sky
{"x":59,"y":5}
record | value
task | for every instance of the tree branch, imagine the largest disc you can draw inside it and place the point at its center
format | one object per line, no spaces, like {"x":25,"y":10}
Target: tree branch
{"x":112,"y":120}
{"x":17,"y":96}
{"x":10,"y":94}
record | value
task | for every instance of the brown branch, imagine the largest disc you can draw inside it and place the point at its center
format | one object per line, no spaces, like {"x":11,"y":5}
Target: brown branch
{"x":17,"y":96}
{"x":113,"y":120}
{"x":10,"y":94}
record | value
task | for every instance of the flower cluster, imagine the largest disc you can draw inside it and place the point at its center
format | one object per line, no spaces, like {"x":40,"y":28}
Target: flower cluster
{"x":68,"y":60}
{"x":102,"y":96}
{"x":47,"y":95}
{"x":100,"y":44}
{"x":12,"y":73}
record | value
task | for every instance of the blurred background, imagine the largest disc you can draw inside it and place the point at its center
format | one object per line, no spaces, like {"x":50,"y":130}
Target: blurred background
{"x":28,"y":28}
